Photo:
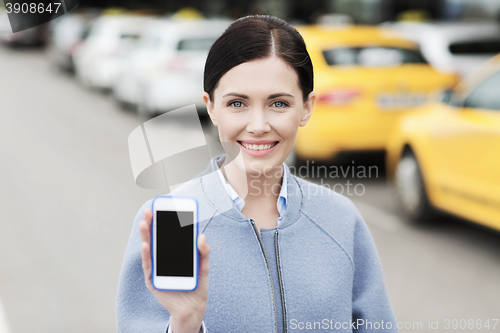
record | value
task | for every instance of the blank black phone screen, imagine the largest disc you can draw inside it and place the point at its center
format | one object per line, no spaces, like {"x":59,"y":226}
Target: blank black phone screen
{"x":174,"y":243}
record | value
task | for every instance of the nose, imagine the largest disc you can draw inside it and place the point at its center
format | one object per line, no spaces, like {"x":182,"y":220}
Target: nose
{"x":258,"y":122}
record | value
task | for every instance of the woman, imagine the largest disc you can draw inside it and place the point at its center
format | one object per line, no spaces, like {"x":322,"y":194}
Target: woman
{"x":285,"y":254}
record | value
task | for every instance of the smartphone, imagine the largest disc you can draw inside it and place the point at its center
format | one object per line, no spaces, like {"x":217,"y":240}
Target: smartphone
{"x":174,"y":236}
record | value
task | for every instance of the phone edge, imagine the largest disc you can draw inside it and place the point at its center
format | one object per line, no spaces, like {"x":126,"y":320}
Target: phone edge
{"x":196,"y":243}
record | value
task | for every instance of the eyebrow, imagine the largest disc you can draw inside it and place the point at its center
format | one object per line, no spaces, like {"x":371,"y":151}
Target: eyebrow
{"x":270,"y":96}
{"x":279,"y":95}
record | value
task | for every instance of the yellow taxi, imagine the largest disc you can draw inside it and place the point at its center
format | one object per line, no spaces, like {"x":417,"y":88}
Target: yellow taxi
{"x":365,"y":78}
{"x":446,"y":156}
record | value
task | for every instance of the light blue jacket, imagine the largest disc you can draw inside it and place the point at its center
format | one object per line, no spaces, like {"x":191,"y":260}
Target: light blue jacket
{"x":317,"y":271}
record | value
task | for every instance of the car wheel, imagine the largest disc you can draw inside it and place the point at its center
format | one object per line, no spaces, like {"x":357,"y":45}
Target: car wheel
{"x":410,"y":189}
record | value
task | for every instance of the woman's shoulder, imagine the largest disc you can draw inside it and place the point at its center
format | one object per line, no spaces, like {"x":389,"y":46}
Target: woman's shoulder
{"x":332,"y":212}
{"x":323,"y":196}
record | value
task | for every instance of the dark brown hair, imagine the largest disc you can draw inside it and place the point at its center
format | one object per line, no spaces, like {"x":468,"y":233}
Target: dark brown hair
{"x":255,"y":37}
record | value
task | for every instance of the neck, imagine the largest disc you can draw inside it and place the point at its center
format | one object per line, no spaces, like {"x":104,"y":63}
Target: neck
{"x":254,"y":187}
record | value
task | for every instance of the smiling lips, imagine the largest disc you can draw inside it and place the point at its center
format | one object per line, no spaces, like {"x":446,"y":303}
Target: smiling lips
{"x":258,"y":148}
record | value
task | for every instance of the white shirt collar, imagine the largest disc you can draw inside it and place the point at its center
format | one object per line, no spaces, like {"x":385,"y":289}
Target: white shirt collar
{"x":240,"y":203}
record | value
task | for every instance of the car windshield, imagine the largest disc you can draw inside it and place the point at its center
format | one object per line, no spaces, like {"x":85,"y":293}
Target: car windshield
{"x":475,"y":47}
{"x":485,"y":96}
{"x":373,"y":56}
{"x":195,"y":44}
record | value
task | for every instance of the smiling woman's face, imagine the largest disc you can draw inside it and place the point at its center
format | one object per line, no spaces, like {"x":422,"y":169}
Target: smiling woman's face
{"x":259,"y":106}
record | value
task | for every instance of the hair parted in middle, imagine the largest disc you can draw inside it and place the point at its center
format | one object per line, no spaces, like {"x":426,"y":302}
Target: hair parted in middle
{"x":256,"y":37}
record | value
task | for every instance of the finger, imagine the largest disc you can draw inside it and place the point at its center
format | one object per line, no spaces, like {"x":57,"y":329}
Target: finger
{"x":146,"y":263}
{"x":145,"y":232}
{"x":203,"y":246}
{"x":148,"y":214}
{"x":204,"y":251}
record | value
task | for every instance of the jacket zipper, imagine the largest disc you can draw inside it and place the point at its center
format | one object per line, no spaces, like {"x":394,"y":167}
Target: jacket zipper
{"x":280,"y":279}
{"x":268,"y":270}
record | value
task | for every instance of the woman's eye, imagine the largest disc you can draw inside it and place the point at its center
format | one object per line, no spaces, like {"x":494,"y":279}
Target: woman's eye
{"x":236,"y":104}
{"x":279,"y":104}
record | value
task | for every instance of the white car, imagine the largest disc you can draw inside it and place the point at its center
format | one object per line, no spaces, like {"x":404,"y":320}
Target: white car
{"x":67,"y":32}
{"x":458,"y":47}
{"x":171,"y":74}
{"x":150,"y":54}
{"x":97,"y":59}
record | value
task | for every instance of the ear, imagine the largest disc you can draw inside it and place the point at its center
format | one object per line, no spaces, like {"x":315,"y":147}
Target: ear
{"x":210,"y":108}
{"x":308,"y":108}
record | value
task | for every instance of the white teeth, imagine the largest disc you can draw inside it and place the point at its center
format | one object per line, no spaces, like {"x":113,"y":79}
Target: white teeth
{"x":257,"y":147}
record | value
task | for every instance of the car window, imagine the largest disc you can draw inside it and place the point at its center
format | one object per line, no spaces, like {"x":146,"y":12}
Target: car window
{"x":475,"y":47}
{"x":195,"y":44}
{"x":486,"y":95}
{"x":128,"y":36}
{"x":373,"y":56}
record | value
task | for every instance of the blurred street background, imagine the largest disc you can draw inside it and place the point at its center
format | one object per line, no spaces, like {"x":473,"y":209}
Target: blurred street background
{"x":407,"y":89}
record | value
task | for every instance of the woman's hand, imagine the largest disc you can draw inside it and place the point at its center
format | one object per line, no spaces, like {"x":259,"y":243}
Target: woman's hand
{"x":186,"y":308}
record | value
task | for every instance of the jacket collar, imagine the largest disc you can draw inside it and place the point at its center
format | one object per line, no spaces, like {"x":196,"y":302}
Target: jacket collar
{"x":217,"y":197}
